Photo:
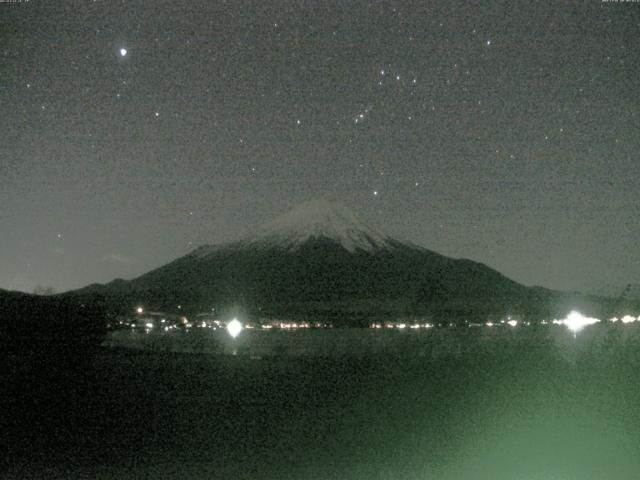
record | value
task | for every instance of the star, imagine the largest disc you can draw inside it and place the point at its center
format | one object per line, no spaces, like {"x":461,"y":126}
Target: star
{"x":123,"y":52}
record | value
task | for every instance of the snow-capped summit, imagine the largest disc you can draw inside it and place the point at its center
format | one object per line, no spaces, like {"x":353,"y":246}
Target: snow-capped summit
{"x":318,"y":219}
{"x":295,"y":267}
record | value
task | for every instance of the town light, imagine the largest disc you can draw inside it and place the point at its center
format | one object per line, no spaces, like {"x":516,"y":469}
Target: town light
{"x":575,"y":321}
{"x":234,"y":327}
{"x":140,"y":310}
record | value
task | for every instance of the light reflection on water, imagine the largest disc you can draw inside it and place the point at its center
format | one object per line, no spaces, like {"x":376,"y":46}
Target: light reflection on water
{"x":570,"y":336}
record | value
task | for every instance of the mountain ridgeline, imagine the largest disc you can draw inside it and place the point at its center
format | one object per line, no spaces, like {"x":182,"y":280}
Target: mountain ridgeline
{"x":321,"y":261}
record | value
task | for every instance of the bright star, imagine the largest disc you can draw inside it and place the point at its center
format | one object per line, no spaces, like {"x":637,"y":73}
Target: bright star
{"x":123,"y":52}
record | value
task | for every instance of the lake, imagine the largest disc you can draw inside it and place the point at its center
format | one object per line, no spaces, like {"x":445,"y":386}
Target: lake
{"x":461,"y":403}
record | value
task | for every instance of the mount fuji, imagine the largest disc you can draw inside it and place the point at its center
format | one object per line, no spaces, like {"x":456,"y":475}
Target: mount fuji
{"x":321,"y":260}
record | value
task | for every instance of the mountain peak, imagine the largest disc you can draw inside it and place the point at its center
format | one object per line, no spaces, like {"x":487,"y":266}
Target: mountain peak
{"x":319,"y":219}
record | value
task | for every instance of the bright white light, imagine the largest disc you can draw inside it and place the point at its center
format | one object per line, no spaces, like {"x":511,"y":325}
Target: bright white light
{"x":234,"y":327}
{"x":123,"y":52}
{"x":489,"y":324}
{"x":628,"y":319}
{"x":140,"y":310}
{"x":513,"y":323}
{"x":614,"y":320}
{"x":575,"y":321}
{"x":148,"y":325}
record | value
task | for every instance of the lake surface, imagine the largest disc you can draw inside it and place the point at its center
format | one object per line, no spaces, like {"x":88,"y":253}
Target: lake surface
{"x":505,"y":403}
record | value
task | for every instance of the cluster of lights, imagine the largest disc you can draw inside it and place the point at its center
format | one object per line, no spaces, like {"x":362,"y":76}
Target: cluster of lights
{"x":574,"y":321}
{"x":400,"y":326}
{"x":268,"y":326}
{"x":625,"y":319}
{"x":294,"y":325}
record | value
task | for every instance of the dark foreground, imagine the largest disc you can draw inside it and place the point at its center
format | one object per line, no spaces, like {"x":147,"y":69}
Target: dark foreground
{"x":524,"y":410}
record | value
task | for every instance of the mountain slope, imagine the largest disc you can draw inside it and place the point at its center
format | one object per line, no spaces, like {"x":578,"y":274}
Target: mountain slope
{"x":320,"y":259}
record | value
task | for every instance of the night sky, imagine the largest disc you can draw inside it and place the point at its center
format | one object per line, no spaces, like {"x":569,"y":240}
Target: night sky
{"x":133,"y":132}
